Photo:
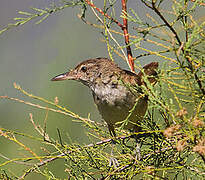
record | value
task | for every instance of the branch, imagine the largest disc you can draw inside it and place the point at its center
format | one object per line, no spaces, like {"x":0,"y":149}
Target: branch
{"x":63,"y":111}
{"x":167,"y":24}
{"x":104,"y":14}
{"x":123,"y":26}
{"x":201,"y":3}
{"x":154,"y":8}
{"x":126,"y":35}
{"x":44,"y":162}
{"x":67,"y":152}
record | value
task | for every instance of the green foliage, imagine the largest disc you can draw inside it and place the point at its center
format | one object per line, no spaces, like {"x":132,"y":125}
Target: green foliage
{"x":172,"y":141}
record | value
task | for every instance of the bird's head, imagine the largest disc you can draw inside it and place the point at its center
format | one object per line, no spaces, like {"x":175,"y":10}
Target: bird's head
{"x":86,"y":72}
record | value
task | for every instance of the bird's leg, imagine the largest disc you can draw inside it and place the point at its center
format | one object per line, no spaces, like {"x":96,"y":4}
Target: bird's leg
{"x":112,"y":161}
{"x":137,"y":148}
{"x":139,"y":142}
{"x":111,"y":130}
{"x":138,"y":151}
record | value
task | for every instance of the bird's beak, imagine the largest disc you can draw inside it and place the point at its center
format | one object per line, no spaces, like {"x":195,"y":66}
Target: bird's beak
{"x":65,"y":76}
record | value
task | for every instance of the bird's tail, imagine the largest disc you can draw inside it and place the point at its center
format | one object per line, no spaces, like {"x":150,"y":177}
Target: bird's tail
{"x":151,"y":71}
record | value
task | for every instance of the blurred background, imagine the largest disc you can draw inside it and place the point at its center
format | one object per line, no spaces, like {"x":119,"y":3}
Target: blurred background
{"x":31,"y":55}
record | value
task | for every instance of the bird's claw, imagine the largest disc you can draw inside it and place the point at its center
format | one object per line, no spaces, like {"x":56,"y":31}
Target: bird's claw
{"x":138,"y":153}
{"x":113,"y":162}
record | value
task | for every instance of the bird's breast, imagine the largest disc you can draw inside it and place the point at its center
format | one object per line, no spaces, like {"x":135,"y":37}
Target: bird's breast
{"x":114,"y":103}
{"x":112,"y":95}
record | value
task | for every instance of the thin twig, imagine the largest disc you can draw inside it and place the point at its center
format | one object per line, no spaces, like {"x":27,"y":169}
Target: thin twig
{"x":124,"y":27}
{"x":51,"y":109}
{"x":155,"y":9}
{"x":44,"y":162}
{"x":17,"y":162}
{"x":104,"y":14}
{"x":201,"y":3}
{"x":108,"y":30}
{"x":66,"y":153}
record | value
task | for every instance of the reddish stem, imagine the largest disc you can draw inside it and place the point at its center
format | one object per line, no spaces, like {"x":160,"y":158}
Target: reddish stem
{"x":104,"y":14}
{"x":126,"y":35}
{"x":123,"y":26}
{"x":201,"y":3}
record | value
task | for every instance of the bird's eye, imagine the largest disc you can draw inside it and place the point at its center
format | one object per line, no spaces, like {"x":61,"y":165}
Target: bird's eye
{"x":83,"y":68}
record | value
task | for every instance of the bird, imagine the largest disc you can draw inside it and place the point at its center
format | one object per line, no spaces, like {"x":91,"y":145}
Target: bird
{"x":116,"y":92}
